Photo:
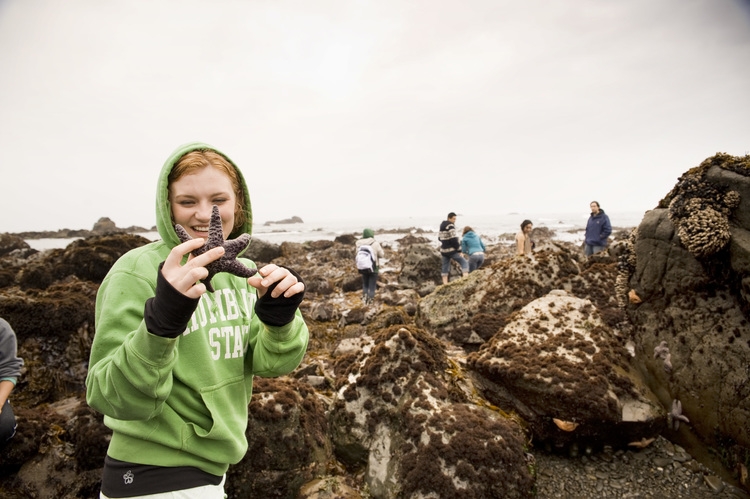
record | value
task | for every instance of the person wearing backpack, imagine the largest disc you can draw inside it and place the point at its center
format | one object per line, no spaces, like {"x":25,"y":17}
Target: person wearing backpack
{"x":368,"y":255}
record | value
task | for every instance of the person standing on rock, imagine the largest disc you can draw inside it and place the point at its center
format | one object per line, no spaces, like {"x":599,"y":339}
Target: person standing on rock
{"x":10,"y":370}
{"x":473,"y":246}
{"x":450,"y":247}
{"x":598,"y":230}
{"x":524,"y":244}
{"x":370,"y":277}
{"x":171,"y":364}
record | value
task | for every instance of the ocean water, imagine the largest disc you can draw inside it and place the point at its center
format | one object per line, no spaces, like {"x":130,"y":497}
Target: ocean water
{"x":492,"y":228}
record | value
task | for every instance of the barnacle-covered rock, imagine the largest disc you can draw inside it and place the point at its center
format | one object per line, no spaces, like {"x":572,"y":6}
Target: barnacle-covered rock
{"x":411,"y":417}
{"x":704,"y":232}
{"x":700,"y":211}
{"x":625,"y":267}
{"x":564,"y":363}
{"x":732,"y":199}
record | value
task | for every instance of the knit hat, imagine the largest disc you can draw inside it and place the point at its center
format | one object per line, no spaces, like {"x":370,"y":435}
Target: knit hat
{"x":368,"y":233}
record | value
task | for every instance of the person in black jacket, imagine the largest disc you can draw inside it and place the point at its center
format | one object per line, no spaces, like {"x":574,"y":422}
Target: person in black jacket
{"x":450,"y":248}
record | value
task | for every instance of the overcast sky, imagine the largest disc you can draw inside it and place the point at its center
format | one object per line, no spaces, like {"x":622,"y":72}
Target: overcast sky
{"x":344,"y":108}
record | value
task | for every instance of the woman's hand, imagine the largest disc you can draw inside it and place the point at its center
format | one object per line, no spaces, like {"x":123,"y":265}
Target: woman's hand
{"x":186,"y":278}
{"x":288,"y":285}
{"x":287,"y":290}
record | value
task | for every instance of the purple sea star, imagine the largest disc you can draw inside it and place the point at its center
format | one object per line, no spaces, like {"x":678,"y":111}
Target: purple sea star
{"x":233,"y":247}
{"x":675,"y":416}
{"x":662,"y":351}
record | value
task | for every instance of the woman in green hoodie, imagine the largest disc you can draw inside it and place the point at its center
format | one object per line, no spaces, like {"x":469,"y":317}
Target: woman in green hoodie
{"x":177,"y":344}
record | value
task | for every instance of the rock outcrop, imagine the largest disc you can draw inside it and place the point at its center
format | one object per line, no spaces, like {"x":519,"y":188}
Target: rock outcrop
{"x":688,"y":264}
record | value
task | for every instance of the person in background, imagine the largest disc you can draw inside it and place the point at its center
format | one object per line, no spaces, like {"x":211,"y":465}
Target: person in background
{"x":524,"y":244}
{"x":450,"y":247}
{"x":598,"y":230}
{"x":171,"y":364}
{"x":370,"y":279}
{"x":10,"y":370}
{"x":472,"y":245}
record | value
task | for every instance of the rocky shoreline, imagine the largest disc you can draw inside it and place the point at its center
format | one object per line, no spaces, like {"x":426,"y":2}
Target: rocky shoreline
{"x":661,"y":470}
{"x":549,"y":376}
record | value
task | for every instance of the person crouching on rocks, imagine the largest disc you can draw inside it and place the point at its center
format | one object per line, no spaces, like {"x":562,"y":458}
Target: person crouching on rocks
{"x":171,"y":364}
{"x":473,"y":246}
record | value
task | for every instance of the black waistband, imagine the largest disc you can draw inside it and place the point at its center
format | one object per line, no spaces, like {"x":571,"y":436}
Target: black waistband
{"x":123,"y":479}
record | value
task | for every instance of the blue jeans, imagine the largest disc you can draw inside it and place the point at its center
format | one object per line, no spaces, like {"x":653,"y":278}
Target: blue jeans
{"x":446,"y":267}
{"x":590,"y":250}
{"x":369,"y":284}
{"x":475,"y":261}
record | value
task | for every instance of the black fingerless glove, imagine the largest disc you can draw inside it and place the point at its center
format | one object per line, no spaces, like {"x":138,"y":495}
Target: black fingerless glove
{"x":168,"y":312}
{"x":278,"y":311}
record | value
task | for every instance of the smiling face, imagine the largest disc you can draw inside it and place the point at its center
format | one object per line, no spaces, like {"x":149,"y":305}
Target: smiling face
{"x":193,"y":195}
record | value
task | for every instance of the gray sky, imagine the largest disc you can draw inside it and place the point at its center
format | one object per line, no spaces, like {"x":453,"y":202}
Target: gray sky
{"x":346,"y":108}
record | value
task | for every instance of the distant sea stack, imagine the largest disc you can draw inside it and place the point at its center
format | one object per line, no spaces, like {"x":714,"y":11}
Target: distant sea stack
{"x":293,"y":220}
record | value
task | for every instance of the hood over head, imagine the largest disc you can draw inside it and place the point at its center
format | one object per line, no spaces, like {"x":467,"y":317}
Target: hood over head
{"x":164,"y":222}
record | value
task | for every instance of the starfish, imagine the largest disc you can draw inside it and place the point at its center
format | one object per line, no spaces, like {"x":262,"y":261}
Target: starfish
{"x":565,"y":425}
{"x":233,"y":247}
{"x":633,"y":297}
{"x":662,"y":351}
{"x":675,"y":416}
{"x":642,"y":443}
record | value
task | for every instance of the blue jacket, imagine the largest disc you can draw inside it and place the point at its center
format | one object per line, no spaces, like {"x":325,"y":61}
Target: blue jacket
{"x":598,"y":229}
{"x":472,"y":243}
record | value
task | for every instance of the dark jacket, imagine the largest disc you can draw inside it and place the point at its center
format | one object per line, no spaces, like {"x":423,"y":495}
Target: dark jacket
{"x":449,"y":242}
{"x":598,"y":229}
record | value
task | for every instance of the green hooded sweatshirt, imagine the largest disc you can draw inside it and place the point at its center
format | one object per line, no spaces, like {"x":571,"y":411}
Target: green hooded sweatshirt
{"x":182,"y":401}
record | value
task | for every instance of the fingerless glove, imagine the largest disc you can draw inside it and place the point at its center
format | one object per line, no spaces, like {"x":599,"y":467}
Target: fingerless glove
{"x":168,"y":312}
{"x":278,"y":311}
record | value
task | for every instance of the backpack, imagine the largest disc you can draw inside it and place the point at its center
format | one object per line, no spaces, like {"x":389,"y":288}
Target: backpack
{"x":365,"y":259}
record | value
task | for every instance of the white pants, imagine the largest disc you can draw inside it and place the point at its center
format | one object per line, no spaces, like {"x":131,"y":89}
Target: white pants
{"x":204,"y":492}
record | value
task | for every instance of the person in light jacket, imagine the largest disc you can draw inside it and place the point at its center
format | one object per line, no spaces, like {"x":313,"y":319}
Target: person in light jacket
{"x":370,"y":279}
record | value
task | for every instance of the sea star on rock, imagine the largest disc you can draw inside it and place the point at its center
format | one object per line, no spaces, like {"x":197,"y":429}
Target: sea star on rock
{"x":232,"y":247}
{"x":633,"y":297}
{"x":662,"y":351}
{"x":565,"y":425}
{"x":642,"y":443}
{"x":675,"y":416}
